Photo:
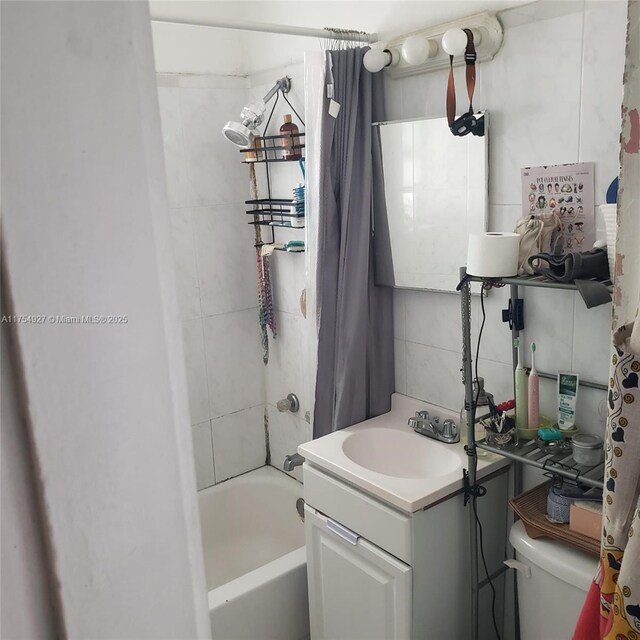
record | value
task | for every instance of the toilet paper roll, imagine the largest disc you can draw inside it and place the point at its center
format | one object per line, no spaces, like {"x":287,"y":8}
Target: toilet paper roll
{"x":493,"y":255}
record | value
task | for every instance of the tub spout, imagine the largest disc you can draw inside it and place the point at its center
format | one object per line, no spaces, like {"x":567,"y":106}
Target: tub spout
{"x":292,"y":461}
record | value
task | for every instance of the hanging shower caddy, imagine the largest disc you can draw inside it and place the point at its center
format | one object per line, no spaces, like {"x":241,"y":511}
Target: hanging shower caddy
{"x":273,"y":212}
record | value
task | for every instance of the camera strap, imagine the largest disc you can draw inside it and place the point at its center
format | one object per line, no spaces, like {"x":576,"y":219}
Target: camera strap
{"x":467,"y":123}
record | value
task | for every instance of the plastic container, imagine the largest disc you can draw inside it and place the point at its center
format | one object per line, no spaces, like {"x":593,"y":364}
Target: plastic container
{"x":587,"y":449}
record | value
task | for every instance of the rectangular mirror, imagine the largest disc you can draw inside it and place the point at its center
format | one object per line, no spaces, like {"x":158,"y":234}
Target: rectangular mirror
{"x":434,"y":196}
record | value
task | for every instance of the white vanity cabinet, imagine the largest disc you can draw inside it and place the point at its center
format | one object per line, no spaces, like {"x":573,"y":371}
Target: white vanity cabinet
{"x":387,"y":532}
{"x":375,"y":572}
{"x":340,"y":565}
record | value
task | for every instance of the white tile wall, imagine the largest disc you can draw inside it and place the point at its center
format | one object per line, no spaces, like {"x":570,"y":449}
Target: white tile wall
{"x":234,"y":363}
{"x":216,"y":276}
{"x":287,"y":370}
{"x":215,"y":273}
{"x":554,"y":93}
{"x":225,"y":258}
{"x":238,"y":442}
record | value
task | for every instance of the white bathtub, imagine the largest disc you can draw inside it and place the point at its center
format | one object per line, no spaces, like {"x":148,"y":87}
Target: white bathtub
{"x":255,"y":559}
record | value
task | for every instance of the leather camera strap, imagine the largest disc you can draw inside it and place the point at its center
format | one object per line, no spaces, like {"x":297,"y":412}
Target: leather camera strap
{"x":470,"y":59}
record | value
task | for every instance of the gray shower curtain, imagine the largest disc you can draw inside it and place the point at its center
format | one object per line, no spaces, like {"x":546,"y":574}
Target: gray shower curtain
{"x":355,"y":377}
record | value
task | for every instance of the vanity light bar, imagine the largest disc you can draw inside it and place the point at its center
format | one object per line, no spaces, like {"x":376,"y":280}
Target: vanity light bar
{"x":422,"y":51}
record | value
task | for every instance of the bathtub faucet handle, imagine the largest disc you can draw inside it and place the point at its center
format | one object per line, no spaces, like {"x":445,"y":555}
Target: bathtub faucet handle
{"x":290,"y":403}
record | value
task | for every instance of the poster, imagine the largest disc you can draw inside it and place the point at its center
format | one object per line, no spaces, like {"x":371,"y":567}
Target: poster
{"x":565,"y":190}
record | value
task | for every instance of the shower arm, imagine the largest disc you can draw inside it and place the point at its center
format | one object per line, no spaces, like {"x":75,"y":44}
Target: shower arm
{"x":283,"y":84}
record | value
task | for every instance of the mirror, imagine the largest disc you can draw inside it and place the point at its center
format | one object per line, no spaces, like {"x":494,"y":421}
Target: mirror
{"x":434,"y":196}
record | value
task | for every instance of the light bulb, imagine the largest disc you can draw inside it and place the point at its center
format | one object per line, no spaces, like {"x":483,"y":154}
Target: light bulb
{"x":454,"y":42}
{"x":415,"y":50}
{"x":376,"y":59}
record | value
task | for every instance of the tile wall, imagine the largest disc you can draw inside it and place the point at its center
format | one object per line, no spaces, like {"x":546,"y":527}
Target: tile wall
{"x":287,"y":370}
{"x":554,"y":93}
{"x":232,"y":395}
{"x":216,"y":274}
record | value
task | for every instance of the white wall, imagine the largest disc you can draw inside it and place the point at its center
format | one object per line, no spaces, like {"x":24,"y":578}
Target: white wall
{"x":216,"y":267}
{"x":85,"y":231}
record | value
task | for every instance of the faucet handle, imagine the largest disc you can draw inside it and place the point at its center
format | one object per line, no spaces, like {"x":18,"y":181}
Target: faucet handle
{"x":450,"y":430}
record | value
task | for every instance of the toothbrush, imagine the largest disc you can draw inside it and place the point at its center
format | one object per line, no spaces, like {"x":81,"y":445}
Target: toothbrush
{"x":534,"y":397}
{"x":521,"y":390}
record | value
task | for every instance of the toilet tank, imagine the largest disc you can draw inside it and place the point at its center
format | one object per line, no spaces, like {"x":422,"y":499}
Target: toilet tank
{"x":553,"y":580}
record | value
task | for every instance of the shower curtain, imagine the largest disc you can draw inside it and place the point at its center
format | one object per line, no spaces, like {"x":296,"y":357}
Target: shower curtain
{"x":355,"y":375}
{"x":612,"y":609}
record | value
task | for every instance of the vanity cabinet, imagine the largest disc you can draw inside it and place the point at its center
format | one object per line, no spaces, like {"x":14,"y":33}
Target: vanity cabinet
{"x":378,"y":573}
{"x":359,"y":591}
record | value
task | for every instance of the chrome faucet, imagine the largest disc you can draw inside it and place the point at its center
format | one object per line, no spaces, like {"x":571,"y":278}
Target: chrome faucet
{"x":446,"y":432}
{"x":292,"y":461}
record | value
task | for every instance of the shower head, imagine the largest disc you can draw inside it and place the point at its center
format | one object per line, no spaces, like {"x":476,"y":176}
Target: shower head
{"x":242,"y":133}
{"x":238,"y":133}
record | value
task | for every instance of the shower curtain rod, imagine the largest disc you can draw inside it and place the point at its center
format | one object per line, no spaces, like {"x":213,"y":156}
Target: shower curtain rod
{"x":328,"y":33}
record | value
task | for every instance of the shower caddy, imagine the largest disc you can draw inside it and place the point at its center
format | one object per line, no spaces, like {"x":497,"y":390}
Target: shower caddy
{"x":272,"y":212}
{"x":526,"y":452}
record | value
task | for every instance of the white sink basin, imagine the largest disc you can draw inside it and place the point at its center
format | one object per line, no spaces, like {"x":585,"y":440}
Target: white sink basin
{"x":399,"y":454}
{"x":385,"y":458}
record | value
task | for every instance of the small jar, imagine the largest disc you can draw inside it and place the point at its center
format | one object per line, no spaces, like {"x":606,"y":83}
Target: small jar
{"x":587,"y":449}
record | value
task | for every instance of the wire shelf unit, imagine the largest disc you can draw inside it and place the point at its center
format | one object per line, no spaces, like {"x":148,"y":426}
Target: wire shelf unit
{"x":526,"y":452}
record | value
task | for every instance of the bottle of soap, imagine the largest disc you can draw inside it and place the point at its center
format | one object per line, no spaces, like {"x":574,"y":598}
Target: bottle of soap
{"x":291,"y":138}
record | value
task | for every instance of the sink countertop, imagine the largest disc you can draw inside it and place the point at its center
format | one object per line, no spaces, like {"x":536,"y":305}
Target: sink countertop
{"x":406,"y":493}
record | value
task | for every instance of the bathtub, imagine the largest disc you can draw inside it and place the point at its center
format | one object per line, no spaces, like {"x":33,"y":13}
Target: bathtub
{"x":255,"y":559}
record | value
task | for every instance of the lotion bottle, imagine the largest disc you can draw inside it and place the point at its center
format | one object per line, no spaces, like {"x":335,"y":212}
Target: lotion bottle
{"x":290,"y":130}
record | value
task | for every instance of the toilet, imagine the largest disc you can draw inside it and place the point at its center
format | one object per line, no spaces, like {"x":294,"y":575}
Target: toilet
{"x":553,"y":580}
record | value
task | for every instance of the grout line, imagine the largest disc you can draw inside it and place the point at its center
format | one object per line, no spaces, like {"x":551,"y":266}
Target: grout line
{"x":232,"y":413}
{"x":226,"y":313}
{"x":458,"y":353}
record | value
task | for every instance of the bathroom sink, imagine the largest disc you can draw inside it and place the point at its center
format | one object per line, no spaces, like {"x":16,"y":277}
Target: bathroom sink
{"x":385,"y":458}
{"x":399,"y":454}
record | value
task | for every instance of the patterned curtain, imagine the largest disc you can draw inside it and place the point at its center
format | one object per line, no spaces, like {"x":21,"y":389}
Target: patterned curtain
{"x":612,"y":610}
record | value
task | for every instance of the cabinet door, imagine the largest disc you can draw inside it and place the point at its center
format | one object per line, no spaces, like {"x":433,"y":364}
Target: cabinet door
{"x":357,"y":591}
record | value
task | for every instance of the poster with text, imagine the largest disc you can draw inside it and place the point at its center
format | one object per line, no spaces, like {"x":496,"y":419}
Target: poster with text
{"x":565,"y":190}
